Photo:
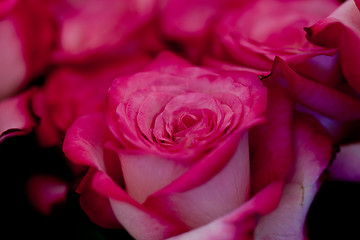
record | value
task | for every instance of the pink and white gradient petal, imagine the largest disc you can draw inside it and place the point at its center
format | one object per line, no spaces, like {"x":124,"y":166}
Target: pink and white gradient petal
{"x":239,"y":224}
{"x":140,"y":222}
{"x":313,"y":149}
{"x":209,"y":189}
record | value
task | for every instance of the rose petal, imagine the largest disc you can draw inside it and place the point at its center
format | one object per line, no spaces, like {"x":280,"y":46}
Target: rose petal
{"x":108,"y":38}
{"x":6,"y":6}
{"x":240,"y":223}
{"x":148,"y":111}
{"x":45,"y":191}
{"x":271,"y":143}
{"x":341,"y":29}
{"x":313,"y":151}
{"x":323,"y":68}
{"x":83,"y":143}
{"x":12,"y":62}
{"x":145,"y":174}
{"x":346,"y":165}
{"x":140,"y":222}
{"x":226,"y":184}
{"x":96,"y":205}
{"x":350,"y":55}
{"x":320,"y":98}
{"x":255,"y":34}
{"x":17,"y":117}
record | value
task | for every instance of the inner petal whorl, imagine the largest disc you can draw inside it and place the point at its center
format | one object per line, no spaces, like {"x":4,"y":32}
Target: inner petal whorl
{"x":189,"y":120}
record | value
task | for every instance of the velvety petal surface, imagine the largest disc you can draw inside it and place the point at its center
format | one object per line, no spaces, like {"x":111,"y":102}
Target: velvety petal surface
{"x":240,"y":223}
{"x":227,"y":184}
{"x":140,"y":222}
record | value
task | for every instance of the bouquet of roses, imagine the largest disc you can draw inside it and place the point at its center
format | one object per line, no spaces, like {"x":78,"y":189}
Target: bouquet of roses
{"x":179,"y":119}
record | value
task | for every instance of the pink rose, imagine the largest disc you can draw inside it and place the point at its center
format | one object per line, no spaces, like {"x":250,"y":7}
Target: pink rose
{"x":27,"y":37}
{"x":253,"y":35}
{"x":169,"y":157}
{"x":72,"y":91}
{"x":96,"y":30}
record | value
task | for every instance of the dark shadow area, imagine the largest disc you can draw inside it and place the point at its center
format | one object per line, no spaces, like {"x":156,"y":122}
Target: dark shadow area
{"x":21,"y":157}
{"x":335,"y":211}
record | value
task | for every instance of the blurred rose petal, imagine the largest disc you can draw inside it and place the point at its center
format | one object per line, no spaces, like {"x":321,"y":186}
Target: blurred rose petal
{"x":45,"y":191}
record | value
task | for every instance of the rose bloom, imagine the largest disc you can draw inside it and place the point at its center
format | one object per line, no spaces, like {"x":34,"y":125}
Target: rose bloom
{"x":27,"y":39}
{"x":96,"y":30}
{"x":170,"y":156}
{"x":253,"y":35}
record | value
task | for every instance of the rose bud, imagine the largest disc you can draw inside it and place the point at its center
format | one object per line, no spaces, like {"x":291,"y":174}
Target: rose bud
{"x":96,"y":30}
{"x":253,"y":35}
{"x":170,"y":156}
{"x":27,"y":37}
{"x":72,"y":91}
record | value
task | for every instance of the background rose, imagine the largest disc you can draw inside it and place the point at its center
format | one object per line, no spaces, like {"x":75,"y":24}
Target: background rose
{"x":253,"y":35}
{"x":27,"y":38}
